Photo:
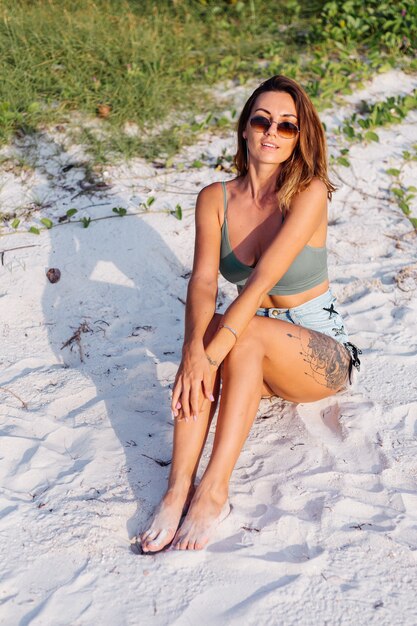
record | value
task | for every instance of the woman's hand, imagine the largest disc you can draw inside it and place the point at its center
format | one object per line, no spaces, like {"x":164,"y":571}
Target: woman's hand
{"x":193,"y":384}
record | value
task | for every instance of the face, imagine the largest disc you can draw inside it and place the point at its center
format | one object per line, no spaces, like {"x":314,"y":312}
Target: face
{"x":267,"y":146}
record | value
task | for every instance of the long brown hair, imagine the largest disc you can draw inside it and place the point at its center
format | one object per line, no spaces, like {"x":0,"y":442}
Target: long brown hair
{"x":309,"y":157}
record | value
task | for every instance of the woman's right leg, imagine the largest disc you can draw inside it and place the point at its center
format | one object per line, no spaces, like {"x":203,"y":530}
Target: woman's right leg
{"x":189,"y":441}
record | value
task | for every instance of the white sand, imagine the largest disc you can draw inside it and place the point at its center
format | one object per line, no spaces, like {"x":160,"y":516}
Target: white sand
{"x":324,"y":522}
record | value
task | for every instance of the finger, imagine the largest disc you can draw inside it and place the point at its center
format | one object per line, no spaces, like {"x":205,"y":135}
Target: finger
{"x":175,"y":396}
{"x":208,"y":387}
{"x":180,"y":417}
{"x":185,"y":400}
{"x":178,"y":411}
{"x":195,"y":393}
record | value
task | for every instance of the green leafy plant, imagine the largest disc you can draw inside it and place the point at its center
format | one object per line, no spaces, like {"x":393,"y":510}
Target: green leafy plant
{"x":391,"y":25}
{"x":177,"y":212}
{"x":382,"y":113}
{"x":404,"y":194}
{"x":148,"y":203}
{"x":119,"y":211}
{"x":83,"y":57}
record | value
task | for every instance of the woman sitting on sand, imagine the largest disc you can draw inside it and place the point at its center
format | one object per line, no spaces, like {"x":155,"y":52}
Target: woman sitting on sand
{"x":265,"y":231}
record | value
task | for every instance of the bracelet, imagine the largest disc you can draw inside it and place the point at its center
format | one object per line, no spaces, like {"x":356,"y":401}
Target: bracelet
{"x":211,"y":361}
{"x":229,"y":328}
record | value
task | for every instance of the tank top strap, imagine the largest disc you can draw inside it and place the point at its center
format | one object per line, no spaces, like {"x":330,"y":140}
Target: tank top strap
{"x":224,"y":199}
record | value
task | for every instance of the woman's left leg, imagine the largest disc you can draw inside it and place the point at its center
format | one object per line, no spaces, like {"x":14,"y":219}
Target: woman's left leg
{"x":296,"y":364}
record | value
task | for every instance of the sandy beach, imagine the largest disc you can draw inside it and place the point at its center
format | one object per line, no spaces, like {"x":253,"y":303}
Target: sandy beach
{"x":323,"y":528}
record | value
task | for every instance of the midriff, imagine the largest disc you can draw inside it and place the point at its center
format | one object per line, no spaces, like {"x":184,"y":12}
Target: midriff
{"x":287,"y":302}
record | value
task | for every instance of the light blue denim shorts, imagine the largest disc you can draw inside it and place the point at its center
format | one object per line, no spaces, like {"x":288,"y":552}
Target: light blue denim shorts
{"x":317,"y":314}
{"x":321,"y":315}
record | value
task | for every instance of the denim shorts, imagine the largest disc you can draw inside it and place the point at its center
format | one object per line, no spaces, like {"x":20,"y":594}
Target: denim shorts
{"x":318,"y":314}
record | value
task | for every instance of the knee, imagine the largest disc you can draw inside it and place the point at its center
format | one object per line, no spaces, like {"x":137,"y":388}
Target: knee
{"x":248,"y":344}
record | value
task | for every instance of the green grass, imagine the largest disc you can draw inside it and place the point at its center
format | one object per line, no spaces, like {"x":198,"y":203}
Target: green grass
{"x":154,"y":63}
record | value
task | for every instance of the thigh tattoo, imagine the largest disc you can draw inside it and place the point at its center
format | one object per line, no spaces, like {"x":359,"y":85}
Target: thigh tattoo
{"x":327,"y":362}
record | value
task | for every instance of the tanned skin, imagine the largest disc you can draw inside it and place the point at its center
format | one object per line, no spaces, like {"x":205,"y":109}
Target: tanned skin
{"x":269,"y":357}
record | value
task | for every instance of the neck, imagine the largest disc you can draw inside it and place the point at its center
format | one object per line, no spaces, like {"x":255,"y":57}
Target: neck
{"x":260,"y":181}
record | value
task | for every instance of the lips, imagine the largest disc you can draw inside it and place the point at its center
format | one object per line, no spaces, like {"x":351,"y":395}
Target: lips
{"x":269,"y":144}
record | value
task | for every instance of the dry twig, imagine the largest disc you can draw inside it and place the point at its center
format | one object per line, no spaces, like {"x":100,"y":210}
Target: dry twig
{"x":24,"y":404}
{"x":76,"y":338}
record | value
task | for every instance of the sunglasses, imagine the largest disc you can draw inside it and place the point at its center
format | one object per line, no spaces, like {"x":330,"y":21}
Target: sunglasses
{"x":261,"y":124}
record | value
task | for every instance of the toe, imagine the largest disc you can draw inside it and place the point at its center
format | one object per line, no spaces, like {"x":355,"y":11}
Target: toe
{"x":177,"y":540}
{"x":189,"y":541}
{"x":159,"y":541}
{"x":148,"y":535}
{"x":147,"y":538}
{"x":182,"y":544}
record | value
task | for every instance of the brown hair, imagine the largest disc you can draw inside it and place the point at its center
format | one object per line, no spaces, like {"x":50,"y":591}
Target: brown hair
{"x":309,"y":157}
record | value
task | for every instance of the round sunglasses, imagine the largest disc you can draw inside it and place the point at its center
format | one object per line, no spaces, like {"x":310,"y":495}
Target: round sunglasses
{"x":261,"y":124}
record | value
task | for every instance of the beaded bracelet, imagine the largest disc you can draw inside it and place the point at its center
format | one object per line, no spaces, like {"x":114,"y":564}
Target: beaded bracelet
{"x":229,"y":328}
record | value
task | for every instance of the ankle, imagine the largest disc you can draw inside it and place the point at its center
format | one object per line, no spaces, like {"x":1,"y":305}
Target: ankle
{"x":179,"y":485}
{"x":218,"y":490}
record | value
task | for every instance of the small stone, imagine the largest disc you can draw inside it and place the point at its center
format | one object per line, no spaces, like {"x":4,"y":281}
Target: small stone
{"x":53,"y":274}
{"x":135,"y":548}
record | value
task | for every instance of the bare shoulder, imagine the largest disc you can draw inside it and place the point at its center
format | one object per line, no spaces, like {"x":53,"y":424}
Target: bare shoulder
{"x":315,"y":191}
{"x":211,"y":193}
{"x":210,"y":202}
{"x":318,"y":187}
{"x":313,"y":197}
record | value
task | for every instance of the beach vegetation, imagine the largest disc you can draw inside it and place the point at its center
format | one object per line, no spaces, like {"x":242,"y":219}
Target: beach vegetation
{"x":46,"y":222}
{"x":401,"y":193}
{"x":119,"y":211}
{"x":177,"y":212}
{"x":145,"y":66}
{"x":377,"y":114}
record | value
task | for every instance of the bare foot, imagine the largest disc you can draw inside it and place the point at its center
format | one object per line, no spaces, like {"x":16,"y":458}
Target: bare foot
{"x":205,"y":513}
{"x":166,"y":518}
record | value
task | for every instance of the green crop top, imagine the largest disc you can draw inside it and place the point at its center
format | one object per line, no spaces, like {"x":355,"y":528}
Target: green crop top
{"x":308,"y":269}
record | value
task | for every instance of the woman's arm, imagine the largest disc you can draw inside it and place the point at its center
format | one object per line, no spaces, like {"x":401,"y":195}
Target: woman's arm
{"x":195,"y":369}
{"x":308,"y":210}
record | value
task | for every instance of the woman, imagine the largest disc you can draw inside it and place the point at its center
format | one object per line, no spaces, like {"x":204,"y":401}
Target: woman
{"x":282,"y":336}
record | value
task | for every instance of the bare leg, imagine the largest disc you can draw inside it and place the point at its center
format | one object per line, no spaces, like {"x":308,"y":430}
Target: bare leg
{"x":241,"y":394}
{"x":315,"y":366}
{"x":189,"y":441}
